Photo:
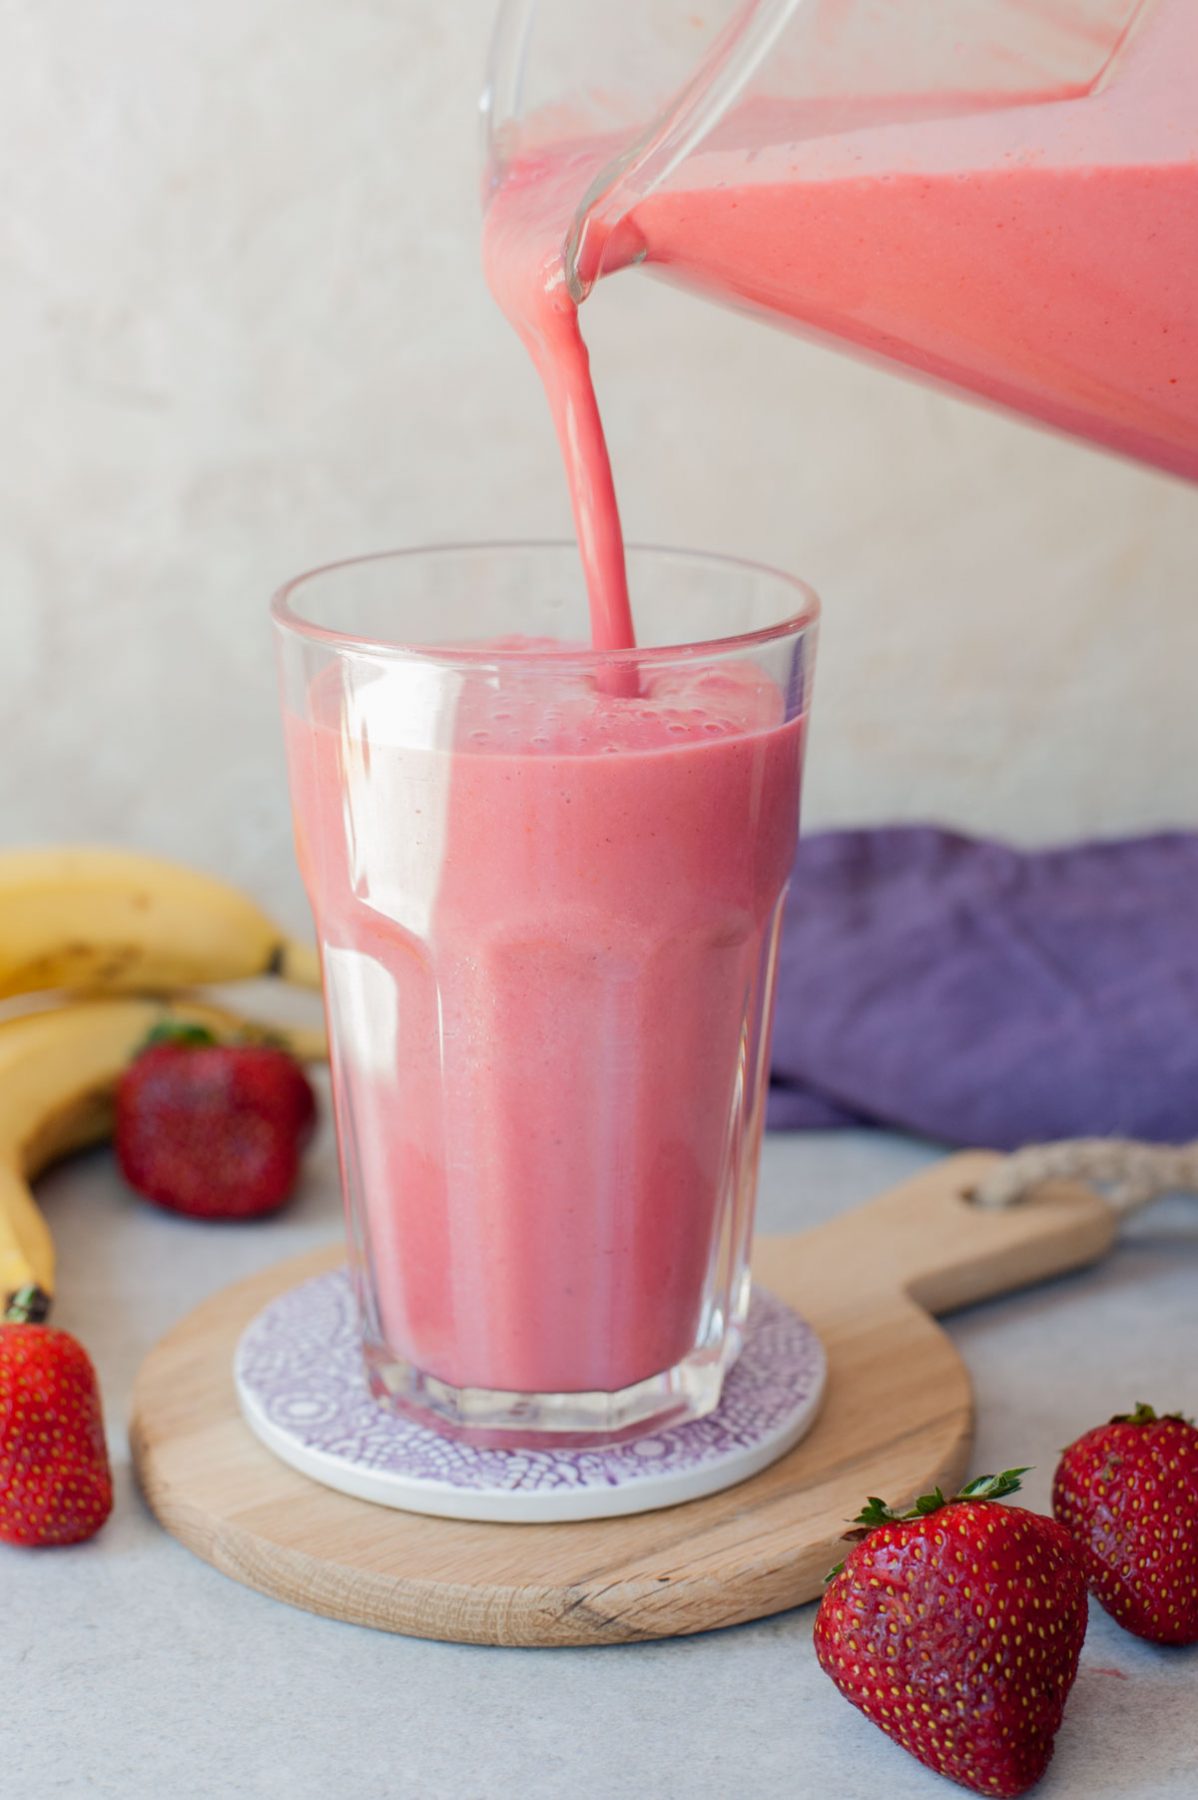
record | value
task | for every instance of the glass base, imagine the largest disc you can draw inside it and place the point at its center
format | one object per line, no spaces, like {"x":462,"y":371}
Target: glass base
{"x":505,"y":1420}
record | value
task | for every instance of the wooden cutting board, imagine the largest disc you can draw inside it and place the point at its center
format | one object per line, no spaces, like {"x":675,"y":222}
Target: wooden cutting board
{"x":896,"y":1421}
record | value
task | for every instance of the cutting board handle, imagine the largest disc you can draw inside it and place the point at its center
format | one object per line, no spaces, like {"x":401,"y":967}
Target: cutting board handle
{"x":927,"y":1238}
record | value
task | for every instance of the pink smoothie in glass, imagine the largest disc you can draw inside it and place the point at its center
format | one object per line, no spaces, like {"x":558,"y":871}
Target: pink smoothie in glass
{"x":544,"y":948}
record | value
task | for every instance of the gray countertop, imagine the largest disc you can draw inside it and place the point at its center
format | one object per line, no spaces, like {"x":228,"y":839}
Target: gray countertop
{"x":135,"y":1670}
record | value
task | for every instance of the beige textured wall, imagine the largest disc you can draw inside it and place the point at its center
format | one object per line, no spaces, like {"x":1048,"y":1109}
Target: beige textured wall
{"x":242,"y":329}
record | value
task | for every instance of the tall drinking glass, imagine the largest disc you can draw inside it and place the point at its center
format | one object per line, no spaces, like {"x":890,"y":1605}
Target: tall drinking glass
{"x":547,"y":885}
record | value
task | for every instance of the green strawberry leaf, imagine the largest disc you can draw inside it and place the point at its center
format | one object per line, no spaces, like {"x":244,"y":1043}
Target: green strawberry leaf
{"x":929,"y":1503}
{"x":994,"y":1487}
{"x":1147,"y":1415}
{"x":983,"y":1487}
{"x":177,"y":1031}
{"x":875,"y":1512}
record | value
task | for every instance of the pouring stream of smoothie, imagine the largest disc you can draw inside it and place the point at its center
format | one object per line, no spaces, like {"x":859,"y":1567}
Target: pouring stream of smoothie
{"x":525,"y":229}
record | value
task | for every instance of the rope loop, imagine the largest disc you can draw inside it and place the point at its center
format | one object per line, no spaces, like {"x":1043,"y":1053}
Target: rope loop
{"x":1131,"y":1174}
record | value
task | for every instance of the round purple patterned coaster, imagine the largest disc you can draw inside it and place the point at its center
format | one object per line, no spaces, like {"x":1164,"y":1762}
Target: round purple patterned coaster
{"x":303,"y":1392}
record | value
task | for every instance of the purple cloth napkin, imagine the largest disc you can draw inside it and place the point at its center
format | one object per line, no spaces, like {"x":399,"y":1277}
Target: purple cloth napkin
{"x":979,"y":994}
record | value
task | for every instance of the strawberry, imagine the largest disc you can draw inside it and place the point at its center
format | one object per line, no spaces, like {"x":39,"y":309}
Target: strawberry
{"x":209,"y":1129}
{"x":1128,"y":1493}
{"x":956,"y":1627}
{"x":55,"y":1483}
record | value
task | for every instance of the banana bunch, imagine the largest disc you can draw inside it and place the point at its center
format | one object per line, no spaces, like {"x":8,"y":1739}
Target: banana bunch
{"x":134,"y":929}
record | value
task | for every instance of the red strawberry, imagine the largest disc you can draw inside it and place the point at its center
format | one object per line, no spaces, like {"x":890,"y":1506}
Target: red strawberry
{"x":956,"y":1627}
{"x":1128,"y":1493}
{"x":55,"y":1484}
{"x":212,"y":1130}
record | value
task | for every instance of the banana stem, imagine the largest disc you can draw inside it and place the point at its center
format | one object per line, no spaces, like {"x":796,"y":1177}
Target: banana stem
{"x":30,"y":1305}
{"x":297,"y":963}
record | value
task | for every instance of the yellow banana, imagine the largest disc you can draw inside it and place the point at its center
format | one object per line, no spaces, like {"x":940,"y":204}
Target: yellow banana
{"x":120,"y":922}
{"x":58,"y":1073}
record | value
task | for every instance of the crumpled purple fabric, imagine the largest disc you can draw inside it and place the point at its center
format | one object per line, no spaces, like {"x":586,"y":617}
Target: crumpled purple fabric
{"x":983,"y":995}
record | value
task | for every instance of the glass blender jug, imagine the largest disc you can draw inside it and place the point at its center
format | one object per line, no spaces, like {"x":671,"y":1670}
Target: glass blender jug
{"x":999,"y":195}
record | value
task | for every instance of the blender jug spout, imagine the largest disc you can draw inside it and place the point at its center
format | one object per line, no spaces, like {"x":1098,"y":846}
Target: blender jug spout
{"x":644,"y":86}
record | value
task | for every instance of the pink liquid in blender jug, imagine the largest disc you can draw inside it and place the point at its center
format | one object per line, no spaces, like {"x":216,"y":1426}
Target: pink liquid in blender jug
{"x":1001,"y":196}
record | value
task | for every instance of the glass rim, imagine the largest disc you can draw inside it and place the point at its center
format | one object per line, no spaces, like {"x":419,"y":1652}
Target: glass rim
{"x":287,"y":618}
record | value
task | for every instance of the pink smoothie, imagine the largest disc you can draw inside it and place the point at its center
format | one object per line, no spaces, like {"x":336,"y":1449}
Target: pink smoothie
{"x":548,"y":947}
